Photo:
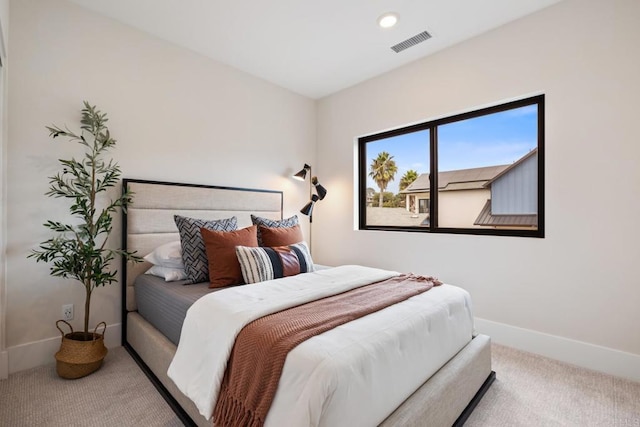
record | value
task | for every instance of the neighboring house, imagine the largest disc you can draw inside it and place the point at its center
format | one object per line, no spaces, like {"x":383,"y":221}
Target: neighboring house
{"x":461,"y":195}
{"x":504,"y":196}
{"x":514,"y":196}
{"x":370,"y":193}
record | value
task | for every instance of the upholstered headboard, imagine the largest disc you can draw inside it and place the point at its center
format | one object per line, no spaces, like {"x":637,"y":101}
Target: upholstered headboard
{"x":148,"y":222}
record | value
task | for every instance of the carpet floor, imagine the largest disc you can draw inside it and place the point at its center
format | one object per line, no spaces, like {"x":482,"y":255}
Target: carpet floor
{"x":529,"y":390}
{"x":118,"y":394}
{"x":532,"y":390}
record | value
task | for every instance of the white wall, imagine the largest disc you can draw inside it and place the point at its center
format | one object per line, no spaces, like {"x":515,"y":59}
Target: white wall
{"x":4,"y":44}
{"x":177,"y":116}
{"x":4,"y":16}
{"x":576,"y":290}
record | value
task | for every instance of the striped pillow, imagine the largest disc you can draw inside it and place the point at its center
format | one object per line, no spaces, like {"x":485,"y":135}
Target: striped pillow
{"x":262,"y":263}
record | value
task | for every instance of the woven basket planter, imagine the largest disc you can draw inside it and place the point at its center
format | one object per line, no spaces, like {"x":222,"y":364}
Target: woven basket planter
{"x":79,"y":357}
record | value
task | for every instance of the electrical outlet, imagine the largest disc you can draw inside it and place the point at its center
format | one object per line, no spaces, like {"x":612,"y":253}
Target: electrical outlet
{"x":67,"y":312}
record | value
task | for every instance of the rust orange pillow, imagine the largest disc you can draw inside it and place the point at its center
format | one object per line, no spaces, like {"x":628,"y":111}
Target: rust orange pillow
{"x":224,"y":268}
{"x":281,"y":236}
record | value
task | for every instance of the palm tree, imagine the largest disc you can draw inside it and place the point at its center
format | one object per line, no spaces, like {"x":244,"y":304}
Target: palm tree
{"x":408,"y":178}
{"x":383,"y":170}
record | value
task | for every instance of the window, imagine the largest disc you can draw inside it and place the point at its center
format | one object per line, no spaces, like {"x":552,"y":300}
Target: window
{"x":487,"y":167}
{"x":423,"y":205}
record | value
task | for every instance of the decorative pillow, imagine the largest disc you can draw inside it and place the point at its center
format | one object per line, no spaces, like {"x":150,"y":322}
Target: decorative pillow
{"x":167,"y":255}
{"x":280,"y":236}
{"x":193,"y":252}
{"x":169,"y":274}
{"x":260,"y":264}
{"x":272,"y":223}
{"x":224,"y":268}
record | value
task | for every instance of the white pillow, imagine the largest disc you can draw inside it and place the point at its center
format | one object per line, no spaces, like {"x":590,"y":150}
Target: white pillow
{"x":167,"y":255}
{"x":169,"y":274}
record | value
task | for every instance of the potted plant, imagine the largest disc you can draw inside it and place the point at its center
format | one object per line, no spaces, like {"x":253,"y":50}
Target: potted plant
{"x":78,"y":250}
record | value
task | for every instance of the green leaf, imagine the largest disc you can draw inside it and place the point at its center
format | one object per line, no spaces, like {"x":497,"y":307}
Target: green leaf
{"x":78,"y":251}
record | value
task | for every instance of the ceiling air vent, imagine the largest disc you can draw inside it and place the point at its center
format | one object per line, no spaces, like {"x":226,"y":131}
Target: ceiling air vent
{"x":412,"y":41}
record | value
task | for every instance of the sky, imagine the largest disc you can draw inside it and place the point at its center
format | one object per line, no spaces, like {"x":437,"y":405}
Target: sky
{"x":495,"y":139}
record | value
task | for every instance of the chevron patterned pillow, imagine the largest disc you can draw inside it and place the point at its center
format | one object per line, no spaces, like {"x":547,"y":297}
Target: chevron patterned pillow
{"x":271,"y":223}
{"x":194,"y":256}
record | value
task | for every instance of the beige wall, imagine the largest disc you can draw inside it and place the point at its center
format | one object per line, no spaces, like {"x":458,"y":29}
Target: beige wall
{"x":459,"y":209}
{"x":177,"y":116}
{"x":577,"y":287}
{"x":456,"y":209}
{"x":4,"y":43}
{"x":4,"y":23}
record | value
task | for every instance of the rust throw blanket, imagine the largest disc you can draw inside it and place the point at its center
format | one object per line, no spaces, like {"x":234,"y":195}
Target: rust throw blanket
{"x":253,"y":371}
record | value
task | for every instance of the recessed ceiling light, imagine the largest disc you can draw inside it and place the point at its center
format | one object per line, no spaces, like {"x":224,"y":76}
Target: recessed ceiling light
{"x":388,"y":20}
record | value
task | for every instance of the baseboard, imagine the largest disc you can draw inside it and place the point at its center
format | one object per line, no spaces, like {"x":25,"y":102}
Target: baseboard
{"x":38,"y":353}
{"x":4,"y":365}
{"x":590,"y":356}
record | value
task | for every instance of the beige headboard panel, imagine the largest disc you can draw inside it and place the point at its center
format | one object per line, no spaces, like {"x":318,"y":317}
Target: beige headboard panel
{"x":148,"y":222}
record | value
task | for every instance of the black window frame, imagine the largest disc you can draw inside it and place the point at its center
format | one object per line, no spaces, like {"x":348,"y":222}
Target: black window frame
{"x":433,"y":125}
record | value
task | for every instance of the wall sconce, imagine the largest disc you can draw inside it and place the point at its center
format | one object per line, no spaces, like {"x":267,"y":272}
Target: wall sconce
{"x":320,"y":194}
{"x":300,"y":176}
{"x":308,"y":208}
{"x":320,"y":190}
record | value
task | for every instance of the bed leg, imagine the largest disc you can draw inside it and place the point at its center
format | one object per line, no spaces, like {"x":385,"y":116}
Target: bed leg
{"x":476,"y":399}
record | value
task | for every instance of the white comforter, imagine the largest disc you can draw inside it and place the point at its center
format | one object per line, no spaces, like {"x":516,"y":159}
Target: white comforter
{"x":353,"y":375}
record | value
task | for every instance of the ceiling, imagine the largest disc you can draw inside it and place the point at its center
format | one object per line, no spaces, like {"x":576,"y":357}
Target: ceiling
{"x":314,"y":48}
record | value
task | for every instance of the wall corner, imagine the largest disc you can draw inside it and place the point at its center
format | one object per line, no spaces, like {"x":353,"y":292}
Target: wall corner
{"x":4,"y":365}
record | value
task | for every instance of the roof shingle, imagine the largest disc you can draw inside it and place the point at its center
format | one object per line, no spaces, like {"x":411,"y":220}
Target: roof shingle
{"x":463,"y":179}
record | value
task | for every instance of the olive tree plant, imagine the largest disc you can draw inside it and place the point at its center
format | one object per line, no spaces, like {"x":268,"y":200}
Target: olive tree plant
{"x":78,"y":250}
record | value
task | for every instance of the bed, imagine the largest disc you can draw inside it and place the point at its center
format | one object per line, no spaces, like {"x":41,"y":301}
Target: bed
{"x":152,"y":325}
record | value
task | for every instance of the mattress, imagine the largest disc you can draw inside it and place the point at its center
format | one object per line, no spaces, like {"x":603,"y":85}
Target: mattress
{"x":165,"y":304}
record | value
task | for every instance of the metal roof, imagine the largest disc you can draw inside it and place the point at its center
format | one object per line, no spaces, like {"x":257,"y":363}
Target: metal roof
{"x":486,"y":218}
{"x":462,"y":179}
{"x":513,"y":165}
